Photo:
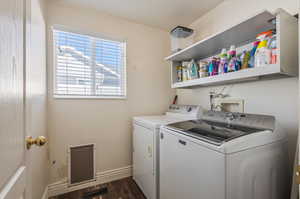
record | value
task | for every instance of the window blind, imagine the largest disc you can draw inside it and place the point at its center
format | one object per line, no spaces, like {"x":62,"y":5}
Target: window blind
{"x":87,"y":66}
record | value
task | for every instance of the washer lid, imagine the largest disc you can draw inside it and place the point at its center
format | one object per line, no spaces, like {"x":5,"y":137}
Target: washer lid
{"x":210,"y":131}
{"x":156,"y":121}
{"x":176,"y":113}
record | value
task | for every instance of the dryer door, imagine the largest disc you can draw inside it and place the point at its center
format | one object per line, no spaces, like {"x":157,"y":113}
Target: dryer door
{"x":188,"y":170}
{"x":144,"y":160}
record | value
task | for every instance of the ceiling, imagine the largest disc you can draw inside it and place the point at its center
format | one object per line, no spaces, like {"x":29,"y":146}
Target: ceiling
{"x":165,"y":14}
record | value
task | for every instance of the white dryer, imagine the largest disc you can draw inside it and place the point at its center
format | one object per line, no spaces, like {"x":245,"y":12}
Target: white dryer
{"x":146,"y":145}
{"x":224,"y":156}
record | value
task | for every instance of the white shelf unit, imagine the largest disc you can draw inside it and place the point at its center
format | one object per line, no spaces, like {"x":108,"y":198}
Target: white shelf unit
{"x":240,"y":34}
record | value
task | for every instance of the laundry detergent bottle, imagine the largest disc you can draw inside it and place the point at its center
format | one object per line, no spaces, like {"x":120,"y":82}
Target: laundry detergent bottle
{"x":213,"y":67}
{"x":194,"y":70}
{"x":223,"y":62}
{"x":232,"y":59}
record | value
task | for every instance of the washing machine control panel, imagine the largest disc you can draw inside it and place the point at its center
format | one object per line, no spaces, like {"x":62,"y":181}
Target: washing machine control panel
{"x":241,"y":119}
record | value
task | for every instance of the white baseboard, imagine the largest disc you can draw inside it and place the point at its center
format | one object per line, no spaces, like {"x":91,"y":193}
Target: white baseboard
{"x":45,"y":194}
{"x":62,"y":187}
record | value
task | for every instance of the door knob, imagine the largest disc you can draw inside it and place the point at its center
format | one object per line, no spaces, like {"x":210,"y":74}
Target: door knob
{"x":298,"y":175}
{"x":39,"y":141}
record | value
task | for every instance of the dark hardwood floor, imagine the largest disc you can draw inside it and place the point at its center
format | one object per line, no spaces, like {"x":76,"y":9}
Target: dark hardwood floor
{"x":121,"y":189}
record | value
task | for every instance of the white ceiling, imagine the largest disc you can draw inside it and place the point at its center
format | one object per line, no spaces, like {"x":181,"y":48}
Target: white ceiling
{"x":165,"y":14}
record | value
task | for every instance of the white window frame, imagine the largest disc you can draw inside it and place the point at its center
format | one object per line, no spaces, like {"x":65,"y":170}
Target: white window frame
{"x":97,"y":35}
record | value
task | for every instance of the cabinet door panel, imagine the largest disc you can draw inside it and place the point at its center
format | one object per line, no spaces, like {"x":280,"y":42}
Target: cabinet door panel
{"x":12,"y":168}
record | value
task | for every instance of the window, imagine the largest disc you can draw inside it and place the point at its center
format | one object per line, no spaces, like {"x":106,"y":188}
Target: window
{"x":87,"y":66}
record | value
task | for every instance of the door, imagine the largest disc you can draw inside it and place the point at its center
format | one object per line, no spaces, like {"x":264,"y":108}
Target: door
{"x":37,"y":162}
{"x":189,"y":170}
{"x":297,"y":156}
{"x":296,"y":169}
{"x":12,"y":167}
{"x":144,"y":160}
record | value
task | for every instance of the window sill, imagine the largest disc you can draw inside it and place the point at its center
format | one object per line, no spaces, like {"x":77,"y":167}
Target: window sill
{"x":89,"y":97}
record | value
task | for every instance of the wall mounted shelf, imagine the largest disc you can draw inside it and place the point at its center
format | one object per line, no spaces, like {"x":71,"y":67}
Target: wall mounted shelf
{"x":233,"y":77}
{"x":240,"y":34}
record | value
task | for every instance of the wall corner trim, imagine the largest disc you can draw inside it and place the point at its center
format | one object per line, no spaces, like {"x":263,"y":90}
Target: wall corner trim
{"x":62,"y":187}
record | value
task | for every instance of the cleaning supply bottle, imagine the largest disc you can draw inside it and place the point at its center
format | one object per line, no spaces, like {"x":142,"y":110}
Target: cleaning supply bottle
{"x":185,"y":71}
{"x":273,"y":47}
{"x":252,"y":54}
{"x":238,"y":63}
{"x":232,"y":59}
{"x":217,"y":64}
{"x":203,"y":69}
{"x":194,"y":70}
{"x":223,"y":62}
{"x":210,"y":67}
{"x":179,"y":73}
{"x":189,"y":70}
{"x":213,"y":67}
{"x":263,"y":53}
{"x":245,"y":59}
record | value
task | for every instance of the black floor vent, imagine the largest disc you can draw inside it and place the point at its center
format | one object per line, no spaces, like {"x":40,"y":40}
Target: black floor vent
{"x":94,"y":193}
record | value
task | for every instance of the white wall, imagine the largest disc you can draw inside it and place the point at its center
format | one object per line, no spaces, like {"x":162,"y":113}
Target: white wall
{"x":37,"y":158}
{"x":275,"y":97}
{"x":108,"y":122}
{"x":231,"y":12}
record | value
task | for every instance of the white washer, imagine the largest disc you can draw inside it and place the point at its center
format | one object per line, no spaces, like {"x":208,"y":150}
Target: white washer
{"x":224,"y":156}
{"x":146,"y":145}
